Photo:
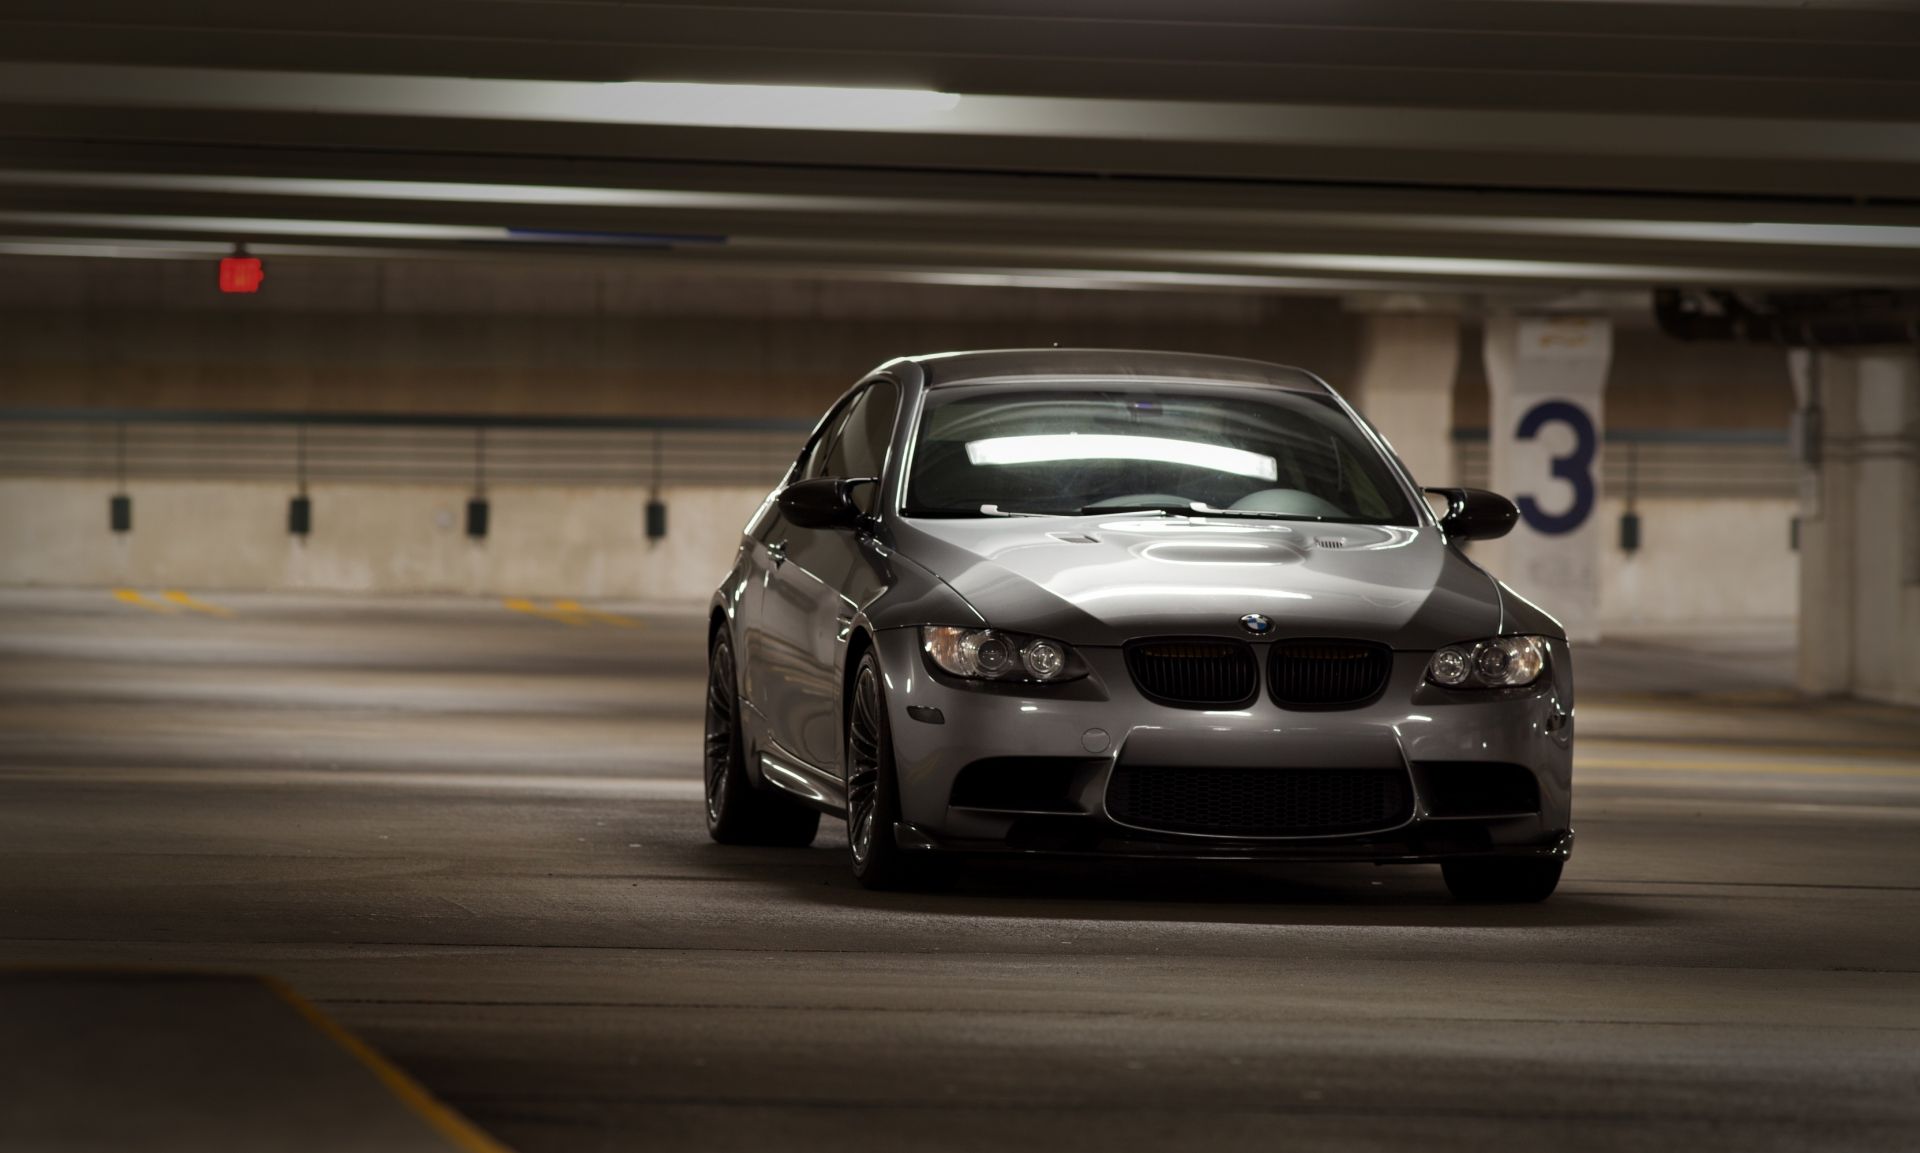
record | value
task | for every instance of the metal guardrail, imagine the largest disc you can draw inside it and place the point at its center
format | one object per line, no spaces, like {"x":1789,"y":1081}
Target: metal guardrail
{"x":1727,"y":436}
{"x":473,"y":451}
{"x":483,"y":451}
{"x":1671,"y":463}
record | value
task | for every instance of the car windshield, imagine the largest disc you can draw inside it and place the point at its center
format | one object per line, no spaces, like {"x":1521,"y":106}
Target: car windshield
{"x":1069,"y":449}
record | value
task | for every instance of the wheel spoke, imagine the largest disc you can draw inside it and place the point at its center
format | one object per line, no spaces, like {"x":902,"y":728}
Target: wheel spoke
{"x":863,"y":765}
{"x":720,"y":731}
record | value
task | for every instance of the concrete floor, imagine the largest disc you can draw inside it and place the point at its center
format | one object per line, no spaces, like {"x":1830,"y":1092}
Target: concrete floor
{"x":473,"y":835}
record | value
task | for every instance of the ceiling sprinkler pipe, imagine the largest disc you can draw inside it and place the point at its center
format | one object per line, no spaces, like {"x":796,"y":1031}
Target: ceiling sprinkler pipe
{"x":1839,"y":321}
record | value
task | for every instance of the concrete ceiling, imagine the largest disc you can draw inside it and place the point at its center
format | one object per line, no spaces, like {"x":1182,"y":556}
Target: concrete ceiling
{"x":1501,"y":148}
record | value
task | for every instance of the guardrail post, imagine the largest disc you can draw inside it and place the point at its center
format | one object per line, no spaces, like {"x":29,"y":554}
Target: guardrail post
{"x":300,"y":509}
{"x":477,"y":506}
{"x":120,"y":505}
{"x":656,"y":508}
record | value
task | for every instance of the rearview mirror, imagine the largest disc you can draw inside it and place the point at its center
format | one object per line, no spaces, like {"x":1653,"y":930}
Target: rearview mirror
{"x":1476,"y":514}
{"x":824,"y":502}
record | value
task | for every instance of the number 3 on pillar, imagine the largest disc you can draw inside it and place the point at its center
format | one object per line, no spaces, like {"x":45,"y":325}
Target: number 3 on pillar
{"x":1576,"y":467}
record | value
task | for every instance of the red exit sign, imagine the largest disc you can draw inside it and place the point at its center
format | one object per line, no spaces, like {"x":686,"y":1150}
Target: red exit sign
{"x":241,"y":274}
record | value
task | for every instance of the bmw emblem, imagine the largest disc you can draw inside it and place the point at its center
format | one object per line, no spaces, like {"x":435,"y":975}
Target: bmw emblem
{"x":1257,"y":624}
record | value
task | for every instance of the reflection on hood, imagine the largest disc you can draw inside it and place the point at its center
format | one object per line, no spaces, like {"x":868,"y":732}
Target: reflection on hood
{"x":1107,"y":581}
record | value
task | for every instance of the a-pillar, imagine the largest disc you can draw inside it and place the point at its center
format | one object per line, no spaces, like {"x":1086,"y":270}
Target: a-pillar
{"x":1859,"y":425}
{"x":1546,"y":377}
{"x":1404,"y":387}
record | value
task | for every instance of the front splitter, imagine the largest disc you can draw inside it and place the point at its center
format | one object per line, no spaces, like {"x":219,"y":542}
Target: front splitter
{"x":1091,"y":840}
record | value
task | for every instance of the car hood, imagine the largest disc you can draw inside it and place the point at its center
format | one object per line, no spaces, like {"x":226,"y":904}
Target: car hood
{"x":1105,"y":581}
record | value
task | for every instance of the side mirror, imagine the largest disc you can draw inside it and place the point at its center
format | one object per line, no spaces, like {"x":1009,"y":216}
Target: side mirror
{"x":824,"y":502}
{"x":1476,"y":514}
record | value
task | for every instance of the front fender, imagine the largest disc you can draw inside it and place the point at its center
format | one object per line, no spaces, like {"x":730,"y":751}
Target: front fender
{"x":915,"y":596}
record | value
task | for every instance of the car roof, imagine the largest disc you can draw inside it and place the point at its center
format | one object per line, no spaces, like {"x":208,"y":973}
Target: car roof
{"x":986,"y":365}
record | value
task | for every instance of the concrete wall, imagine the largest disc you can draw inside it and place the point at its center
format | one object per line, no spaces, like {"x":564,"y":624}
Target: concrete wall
{"x":1703,"y":563}
{"x":206,"y":535}
{"x":399,"y":337}
{"x":1655,"y":381}
{"x":1860,"y":600}
{"x":393,"y":337}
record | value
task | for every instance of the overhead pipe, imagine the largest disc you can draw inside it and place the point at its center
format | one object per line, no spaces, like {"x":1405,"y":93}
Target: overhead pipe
{"x":1835,"y":320}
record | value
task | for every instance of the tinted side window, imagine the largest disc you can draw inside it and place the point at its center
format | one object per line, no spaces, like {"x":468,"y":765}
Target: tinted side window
{"x":861,"y":447}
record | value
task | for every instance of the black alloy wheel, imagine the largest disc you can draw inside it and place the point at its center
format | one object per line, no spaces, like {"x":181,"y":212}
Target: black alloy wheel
{"x":873,"y":796}
{"x":737,"y":812}
{"x":1502,"y":880}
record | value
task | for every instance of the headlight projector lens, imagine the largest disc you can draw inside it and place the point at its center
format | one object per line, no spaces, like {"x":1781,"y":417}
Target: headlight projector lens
{"x":1495,"y":663}
{"x":1044,"y":660}
{"x":993,"y":655}
{"x":1450,"y":667}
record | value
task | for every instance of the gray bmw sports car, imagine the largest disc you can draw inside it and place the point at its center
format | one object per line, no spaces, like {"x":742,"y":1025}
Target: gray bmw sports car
{"x":1131,"y":604}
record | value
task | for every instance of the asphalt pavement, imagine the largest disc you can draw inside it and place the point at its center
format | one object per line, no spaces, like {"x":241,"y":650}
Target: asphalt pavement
{"x":470,"y":832}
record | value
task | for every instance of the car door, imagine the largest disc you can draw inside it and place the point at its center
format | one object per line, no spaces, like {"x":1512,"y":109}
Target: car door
{"x":770,"y":660}
{"x":826,"y":575}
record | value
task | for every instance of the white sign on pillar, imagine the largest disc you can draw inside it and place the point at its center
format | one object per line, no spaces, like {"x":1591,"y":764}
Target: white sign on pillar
{"x":1547,"y":377}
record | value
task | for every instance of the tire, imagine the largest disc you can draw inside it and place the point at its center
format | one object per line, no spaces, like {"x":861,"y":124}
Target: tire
{"x":739,"y":813}
{"x":1506,"y":881}
{"x":873,"y":794}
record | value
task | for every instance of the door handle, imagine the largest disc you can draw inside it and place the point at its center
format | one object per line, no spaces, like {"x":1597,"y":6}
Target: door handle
{"x":778,"y":551}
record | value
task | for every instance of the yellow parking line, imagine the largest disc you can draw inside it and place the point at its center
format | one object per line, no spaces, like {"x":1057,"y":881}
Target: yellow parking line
{"x":1823,"y":769}
{"x":405,"y":1089}
{"x":523,"y":605}
{"x":605,"y":618}
{"x":133,"y":597}
{"x":1618,"y":748}
{"x":413,"y":1096}
{"x":188,"y":603}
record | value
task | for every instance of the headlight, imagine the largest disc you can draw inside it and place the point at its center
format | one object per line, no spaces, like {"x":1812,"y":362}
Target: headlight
{"x":993,"y":655}
{"x":1499,"y":663}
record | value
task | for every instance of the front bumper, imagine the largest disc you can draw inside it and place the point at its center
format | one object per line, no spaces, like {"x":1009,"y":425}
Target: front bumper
{"x":1436,"y":736}
{"x":1093,"y":837}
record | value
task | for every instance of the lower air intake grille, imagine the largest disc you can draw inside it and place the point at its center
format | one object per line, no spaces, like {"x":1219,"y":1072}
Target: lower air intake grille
{"x":1328,"y":674}
{"x":1259,"y":802}
{"x":1197,"y":673}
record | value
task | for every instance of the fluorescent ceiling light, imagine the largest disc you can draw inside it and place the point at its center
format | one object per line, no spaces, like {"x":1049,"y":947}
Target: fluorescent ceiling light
{"x":1195,"y":266}
{"x":149,"y":248}
{"x":776,"y":106}
{"x":1350,"y":263}
{"x":249,"y":226}
{"x":1383,"y":263}
{"x":1759,"y":232}
{"x":116,"y":250}
{"x":762,"y":105}
{"x":1536,"y":132}
{"x":1045,"y":447}
{"x":260,"y":225}
{"x":444,"y":192}
{"x":1684,"y":231}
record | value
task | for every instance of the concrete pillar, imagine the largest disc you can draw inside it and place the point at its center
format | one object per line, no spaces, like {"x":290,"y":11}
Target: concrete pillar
{"x":1823,"y":386}
{"x":1404,"y":386}
{"x":1860,"y":524}
{"x":1547,"y":377}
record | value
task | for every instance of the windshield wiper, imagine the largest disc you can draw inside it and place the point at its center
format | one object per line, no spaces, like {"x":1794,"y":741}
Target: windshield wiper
{"x":1169,"y":507}
{"x":1173,"y":509}
{"x":982,"y":510}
